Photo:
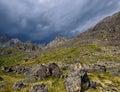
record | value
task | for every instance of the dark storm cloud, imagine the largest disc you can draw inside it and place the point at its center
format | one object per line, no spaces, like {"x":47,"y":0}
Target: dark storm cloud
{"x":39,"y":20}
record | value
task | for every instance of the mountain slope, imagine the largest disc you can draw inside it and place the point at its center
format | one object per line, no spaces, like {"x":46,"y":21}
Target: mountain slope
{"x":106,"y":31}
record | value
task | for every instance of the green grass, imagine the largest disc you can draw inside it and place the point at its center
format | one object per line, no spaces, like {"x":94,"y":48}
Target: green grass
{"x":11,"y":58}
{"x":89,"y":54}
{"x":84,"y":53}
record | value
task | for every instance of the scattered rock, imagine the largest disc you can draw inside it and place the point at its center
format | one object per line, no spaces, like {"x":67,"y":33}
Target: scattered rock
{"x":99,"y":68}
{"x":20,"y":69}
{"x":8,"y":69}
{"x":29,"y":80}
{"x":16,"y":69}
{"x":19,"y":85}
{"x":40,"y":88}
{"x":54,"y":70}
{"x":110,"y":89}
{"x":95,"y":68}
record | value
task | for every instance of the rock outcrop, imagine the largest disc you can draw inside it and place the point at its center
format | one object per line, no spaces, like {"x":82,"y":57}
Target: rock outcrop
{"x":77,"y":80}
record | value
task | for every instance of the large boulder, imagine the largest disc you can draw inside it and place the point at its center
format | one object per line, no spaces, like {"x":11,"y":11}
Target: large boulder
{"x":39,"y":88}
{"x":77,"y":80}
{"x":41,"y":72}
{"x":55,"y":70}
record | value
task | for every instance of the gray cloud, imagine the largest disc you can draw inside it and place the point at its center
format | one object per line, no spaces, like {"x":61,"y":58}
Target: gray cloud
{"x":39,"y":20}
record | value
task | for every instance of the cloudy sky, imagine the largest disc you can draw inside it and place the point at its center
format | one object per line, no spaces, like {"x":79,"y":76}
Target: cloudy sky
{"x":42,"y":20}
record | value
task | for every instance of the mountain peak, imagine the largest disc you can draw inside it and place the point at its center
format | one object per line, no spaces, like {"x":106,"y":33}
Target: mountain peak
{"x":57,"y":41}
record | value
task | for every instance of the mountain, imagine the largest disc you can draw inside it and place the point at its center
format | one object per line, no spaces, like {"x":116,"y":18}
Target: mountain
{"x":106,"y":31}
{"x":57,"y":41}
{"x":89,"y":62}
{"x":6,"y":41}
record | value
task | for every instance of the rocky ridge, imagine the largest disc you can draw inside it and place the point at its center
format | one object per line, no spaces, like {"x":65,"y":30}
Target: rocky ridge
{"x":107,"y":31}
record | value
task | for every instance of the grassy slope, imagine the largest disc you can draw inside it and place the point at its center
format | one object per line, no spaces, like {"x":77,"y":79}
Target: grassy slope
{"x":85,"y":53}
{"x":10,"y":56}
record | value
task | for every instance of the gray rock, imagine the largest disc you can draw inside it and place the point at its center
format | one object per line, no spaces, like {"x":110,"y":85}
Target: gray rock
{"x":16,"y":69}
{"x":99,"y":68}
{"x":73,"y":84}
{"x":20,"y":69}
{"x":19,"y":85}
{"x":39,"y":88}
{"x":54,"y":70}
{"x":29,"y":80}
{"x":77,"y":80}
{"x":40,"y":71}
{"x":8,"y":68}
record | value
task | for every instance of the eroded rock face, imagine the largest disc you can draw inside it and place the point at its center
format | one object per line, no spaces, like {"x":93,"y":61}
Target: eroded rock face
{"x":39,"y":88}
{"x":77,"y":80}
{"x":54,"y":70}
